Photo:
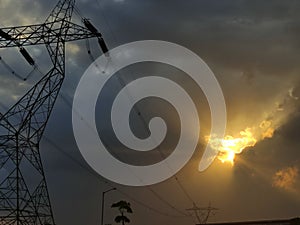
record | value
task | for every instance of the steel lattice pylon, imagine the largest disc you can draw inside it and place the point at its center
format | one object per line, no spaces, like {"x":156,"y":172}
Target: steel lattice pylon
{"x":22,"y":126}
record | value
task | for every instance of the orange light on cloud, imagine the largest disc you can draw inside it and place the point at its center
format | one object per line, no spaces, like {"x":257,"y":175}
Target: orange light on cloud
{"x":286,"y":178}
{"x":230,"y":146}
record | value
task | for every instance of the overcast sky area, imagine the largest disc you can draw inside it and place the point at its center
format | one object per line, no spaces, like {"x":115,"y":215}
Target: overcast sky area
{"x":253,"y":49}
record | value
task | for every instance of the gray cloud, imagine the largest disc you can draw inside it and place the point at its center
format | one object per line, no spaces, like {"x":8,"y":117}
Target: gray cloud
{"x":253,"y":48}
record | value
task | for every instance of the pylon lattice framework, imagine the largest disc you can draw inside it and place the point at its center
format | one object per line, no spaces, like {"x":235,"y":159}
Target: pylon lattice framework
{"x":22,"y":126}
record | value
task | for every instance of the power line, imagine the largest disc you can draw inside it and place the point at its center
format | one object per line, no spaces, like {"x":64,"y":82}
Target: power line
{"x":68,"y":103}
{"x":151,"y":190}
{"x":70,"y":157}
{"x":142,"y":118}
{"x":23,"y":125}
{"x":10,"y":69}
{"x":157,"y":195}
{"x":52,"y":143}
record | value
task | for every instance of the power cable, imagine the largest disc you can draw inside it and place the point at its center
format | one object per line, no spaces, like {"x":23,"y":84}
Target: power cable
{"x":143,"y":120}
{"x":69,"y":104}
{"x":20,"y":77}
{"x":70,"y":157}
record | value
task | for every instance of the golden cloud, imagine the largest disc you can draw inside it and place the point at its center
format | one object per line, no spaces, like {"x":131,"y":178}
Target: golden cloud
{"x":286,"y":178}
{"x":231,"y":145}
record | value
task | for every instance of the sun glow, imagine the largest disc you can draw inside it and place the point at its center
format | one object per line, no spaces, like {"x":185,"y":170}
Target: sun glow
{"x":229,"y":146}
{"x":235,"y":143}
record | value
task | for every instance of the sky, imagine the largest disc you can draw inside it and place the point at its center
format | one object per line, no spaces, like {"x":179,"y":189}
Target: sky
{"x":253,"y":49}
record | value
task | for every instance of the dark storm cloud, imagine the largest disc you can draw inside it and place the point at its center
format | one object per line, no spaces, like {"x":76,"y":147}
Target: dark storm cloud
{"x":242,"y":41}
{"x":268,"y":173}
{"x":275,"y":154}
{"x":244,"y":35}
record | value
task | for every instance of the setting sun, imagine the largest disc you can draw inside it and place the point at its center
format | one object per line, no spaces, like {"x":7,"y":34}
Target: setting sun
{"x":229,"y":146}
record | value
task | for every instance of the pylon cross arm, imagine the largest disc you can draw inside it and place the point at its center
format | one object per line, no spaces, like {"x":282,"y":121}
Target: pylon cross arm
{"x":46,"y":33}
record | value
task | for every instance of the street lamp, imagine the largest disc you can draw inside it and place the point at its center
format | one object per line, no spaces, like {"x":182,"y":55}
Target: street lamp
{"x":102,"y":208}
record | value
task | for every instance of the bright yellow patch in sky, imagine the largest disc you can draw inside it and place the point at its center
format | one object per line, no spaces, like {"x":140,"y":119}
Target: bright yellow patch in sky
{"x":229,"y":146}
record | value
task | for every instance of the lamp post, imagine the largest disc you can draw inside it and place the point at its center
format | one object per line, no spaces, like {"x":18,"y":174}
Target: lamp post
{"x":102,"y":208}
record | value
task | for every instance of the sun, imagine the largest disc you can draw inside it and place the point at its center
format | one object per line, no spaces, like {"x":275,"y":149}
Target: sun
{"x":226,"y":157}
{"x":229,"y":146}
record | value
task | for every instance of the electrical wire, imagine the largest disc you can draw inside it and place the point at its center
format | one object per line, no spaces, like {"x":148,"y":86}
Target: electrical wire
{"x":143,"y":120}
{"x":92,"y":173}
{"x":17,"y":75}
{"x":70,"y":157}
{"x":88,"y":47}
{"x":77,"y":11}
{"x":93,"y":59}
{"x":10,"y":69}
{"x":108,"y":184}
{"x":159,"y":197}
{"x":70,"y":105}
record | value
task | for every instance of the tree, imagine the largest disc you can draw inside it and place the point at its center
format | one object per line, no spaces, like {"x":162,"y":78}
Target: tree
{"x":123,"y":207}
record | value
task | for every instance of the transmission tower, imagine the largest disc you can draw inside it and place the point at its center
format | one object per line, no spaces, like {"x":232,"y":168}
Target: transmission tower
{"x":202,"y":214}
{"x":22,"y":126}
